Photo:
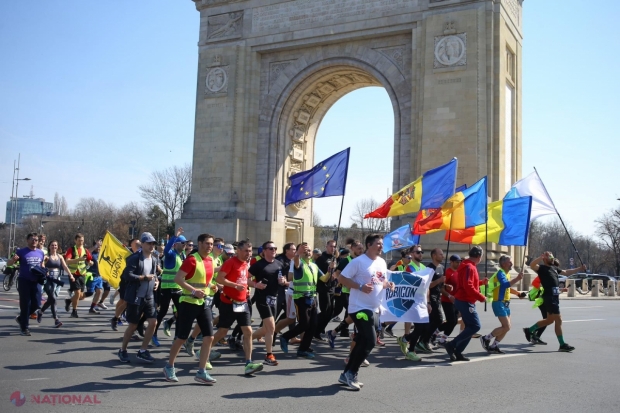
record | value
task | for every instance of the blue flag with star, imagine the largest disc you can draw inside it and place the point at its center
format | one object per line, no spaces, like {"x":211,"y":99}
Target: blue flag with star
{"x":327,"y":178}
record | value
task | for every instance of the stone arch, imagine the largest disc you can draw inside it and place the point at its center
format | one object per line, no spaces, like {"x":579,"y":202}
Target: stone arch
{"x":295,"y":105}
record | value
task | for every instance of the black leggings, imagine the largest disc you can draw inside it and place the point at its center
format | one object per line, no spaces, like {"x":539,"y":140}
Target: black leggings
{"x":165,"y":295}
{"x":451,"y":318}
{"x":326,"y":304}
{"x":365,"y":339}
{"x":50,"y":290}
{"x":419,"y":330}
{"x":543,"y":311}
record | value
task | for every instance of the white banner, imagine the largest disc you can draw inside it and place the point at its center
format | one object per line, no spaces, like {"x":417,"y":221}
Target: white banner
{"x":407,"y":302}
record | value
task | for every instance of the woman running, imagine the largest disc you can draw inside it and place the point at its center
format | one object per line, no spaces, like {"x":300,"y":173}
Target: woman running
{"x":53,"y":262}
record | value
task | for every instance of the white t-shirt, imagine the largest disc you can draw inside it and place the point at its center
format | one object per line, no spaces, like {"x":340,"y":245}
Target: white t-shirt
{"x":363,"y":270}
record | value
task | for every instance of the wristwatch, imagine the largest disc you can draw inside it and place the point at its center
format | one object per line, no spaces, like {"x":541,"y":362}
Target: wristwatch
{"x":361,"y":286}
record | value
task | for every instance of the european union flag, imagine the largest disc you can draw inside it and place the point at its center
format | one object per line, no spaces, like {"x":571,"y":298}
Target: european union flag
{"x":327,"y":178}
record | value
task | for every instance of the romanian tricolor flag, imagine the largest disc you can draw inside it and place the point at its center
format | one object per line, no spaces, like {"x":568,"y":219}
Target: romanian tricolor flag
{"x":508,"y":224}
{"x":428,"y":191}
{"x":464,"y":209}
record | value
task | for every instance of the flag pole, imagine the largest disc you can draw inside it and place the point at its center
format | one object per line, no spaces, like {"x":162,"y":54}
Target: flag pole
{"x":486,"y":263}
{"x":559,"y":216}
{"x":445,"y":265}
{"x":340,"y":219}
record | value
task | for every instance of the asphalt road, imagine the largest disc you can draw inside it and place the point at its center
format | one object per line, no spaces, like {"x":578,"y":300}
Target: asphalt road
{"x":79,"y":359}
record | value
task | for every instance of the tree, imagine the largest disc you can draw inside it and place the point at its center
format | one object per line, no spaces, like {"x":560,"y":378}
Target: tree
{"x":608,"y":228}
{"x":370,"y":225}
{"x":169,"y":190}
{"x":60,"y":205}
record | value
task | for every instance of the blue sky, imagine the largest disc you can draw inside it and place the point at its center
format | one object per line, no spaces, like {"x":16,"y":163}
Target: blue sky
{"x":96,"y":95}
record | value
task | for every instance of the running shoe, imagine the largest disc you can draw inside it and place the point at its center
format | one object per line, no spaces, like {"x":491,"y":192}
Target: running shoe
{"x":166,"y":328}
{"x":136,"y":337}
{"x":403,"y":345}
{"x":336,"y":319}
{"x":537,"y":340}
{"x":305,"y":354}
{"x":450,"y":350}
{"x":204,"y":378}
{"x":123,"y":356}
{"x":67,"y":304}
{"x":318,"y":338}
{"x":214,"y":355}
{"x":25,"y":332}
{"x":102,"y":306}
{"x":252,"y":368}
{"x":238,"y":345}
{"x":120,"y":322}
{"x":331,"y":338}
{"x":112,"y":301}
{"x":460,"y":357}
{"x":17,"y":319}
{"x":528,"y":334}
{"x":388,"y":332}
{"x":145,"y":356}
{"x":155,"y":341}
{"x":74,"y":314}
{"x":495,"y":350}
{"x":93,"y":311}
{"x":476,"y":335}
{"x":565,"y":348}
{"x":57,"y":323}
{"x":365,"y":363}
{"x":208,"y":366}
{"x":270,"y":360}
{"x":343,"y":380}
{"x":189,"y":347}
{"x":351,"y":380}
{"x":411,"y":356}
{"x":284,"y":345}
{"x":39,"y":316}
{"x":114,"y":324}
{"x":33,"y":316}
{"x":485,"y":342}
{"x":380,"y":343}
{"x":170,"y":374}
{"x":420,"y":348}
{"x":231,"y":343}
{"x":223,"y":342}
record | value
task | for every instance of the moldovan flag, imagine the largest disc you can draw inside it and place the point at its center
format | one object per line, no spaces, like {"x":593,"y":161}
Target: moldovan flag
{"x":464,"y":209}
{"x":508,"y":224}
{"x":430,"y":190}
{"x":112,"y":259}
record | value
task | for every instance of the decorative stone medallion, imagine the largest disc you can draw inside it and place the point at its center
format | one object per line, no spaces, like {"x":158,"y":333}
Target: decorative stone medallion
{"x":450,"y":50}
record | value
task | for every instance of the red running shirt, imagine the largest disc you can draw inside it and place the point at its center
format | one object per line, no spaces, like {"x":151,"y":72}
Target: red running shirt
{"x":237,"y":272}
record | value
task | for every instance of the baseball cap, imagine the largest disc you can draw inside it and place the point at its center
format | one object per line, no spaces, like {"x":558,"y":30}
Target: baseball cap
{"x":455,"y":257}
{"x":228,"y":249}
{"x":181,"y":238}
{"x":260,"y":249}
{"x":316,"y":251}
{"x":147,"y":237}
{"x":475,"y":252}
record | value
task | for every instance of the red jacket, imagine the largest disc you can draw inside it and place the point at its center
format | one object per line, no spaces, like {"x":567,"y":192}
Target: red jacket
{"x":468,"y":283}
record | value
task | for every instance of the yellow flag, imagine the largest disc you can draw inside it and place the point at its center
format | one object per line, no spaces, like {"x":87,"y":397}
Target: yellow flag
{"x":112,"y":259}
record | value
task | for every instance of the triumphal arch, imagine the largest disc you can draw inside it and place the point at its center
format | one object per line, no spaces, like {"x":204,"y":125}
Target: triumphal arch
{"x":269,"y":70}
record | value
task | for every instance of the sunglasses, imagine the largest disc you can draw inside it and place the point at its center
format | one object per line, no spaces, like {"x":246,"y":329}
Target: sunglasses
{"x":272,"y":248}
{"x":418,"y":252}
{"x":220,"y":246}
{"x":408,"y":257}
{"x":189,"y":246}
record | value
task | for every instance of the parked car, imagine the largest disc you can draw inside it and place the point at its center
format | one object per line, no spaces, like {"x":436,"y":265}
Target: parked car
{"x":562,"y":279}
{"x":2,"y":263}
{"x":581,"y":276}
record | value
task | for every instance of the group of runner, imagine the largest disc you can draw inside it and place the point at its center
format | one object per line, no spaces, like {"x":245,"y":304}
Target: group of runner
{"x":289,"y":289}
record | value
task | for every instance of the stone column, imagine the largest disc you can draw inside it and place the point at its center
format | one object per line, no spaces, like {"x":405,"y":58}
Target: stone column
{"x":596,"y":286}
{"x":570,"y":284}
{"x":611,"y":288}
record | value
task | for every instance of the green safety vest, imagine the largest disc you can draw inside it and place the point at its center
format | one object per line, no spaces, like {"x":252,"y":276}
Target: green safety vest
{"x":417,"y":268}
{"x":198,"y":281}
{"x":306,"y":285}
{"x":217,"y":262}
{"x":168,"y":274}
{"x":80,"y":266}
{"x":488,"y":289}
{"x":347,"y":290}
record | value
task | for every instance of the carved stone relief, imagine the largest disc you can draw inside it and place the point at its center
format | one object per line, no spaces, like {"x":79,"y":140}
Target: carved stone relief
{"x":216,"y":81}
{"x":224,"y":26}
{"x":450,"y":50}
{"x":395,"y":55}
{"x":276,"y":69}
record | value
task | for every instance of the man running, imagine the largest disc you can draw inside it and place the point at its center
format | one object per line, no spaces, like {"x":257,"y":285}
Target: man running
{"x":78,"y":259}
{"x":105,"y":285}
{"x":94,"y":287}
{"x":365,"y":276}
{"x":169,"y":290}
{"x":194,"y":277}
{"x":501,"y":303}
{"x":305,"y":276}
{"x":551,"y":295}
{"x":436,"y":316}
{"x":140,"y":273}
{"x":28,"y":286}
{"x":267,"y":274}
{"x":465,"y":296}
{"x":447,"y":299}
{"x":325,"y":287}
{"x":134,"y":247}
{"x":233,"y":275}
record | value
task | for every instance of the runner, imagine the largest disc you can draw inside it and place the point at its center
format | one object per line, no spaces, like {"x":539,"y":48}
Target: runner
{"x":365,"y":276}
{"x":141,"y":281}
{"x":78,"y":258}
{"x":267,"y":276}
{"x":305,"y":275}
{"x":326,"y":287}
{"x":499,"y":285}
{"x":447,"y":299}
{"x":135,"y":246}
{"x":168,"y":290}
{"x":28,"y":286}
{"x":465,"y":296}
{"x":54,"y":262}
{"x":535,"y":294}
{"x":234,"y":306}
{"x":551,"y":295}
{"x":94,"y":251}
{"x":194,"y":277}
{"x":436,"y":316}
{"x":287,"y":255}
{"x":94,"y":287}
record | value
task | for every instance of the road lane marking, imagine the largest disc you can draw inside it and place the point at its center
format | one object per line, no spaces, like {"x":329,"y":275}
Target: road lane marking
{"x":594,"y":306}
{"x":38,"y":378}
{"x":473,"y":360}
{"x":577,"y":321}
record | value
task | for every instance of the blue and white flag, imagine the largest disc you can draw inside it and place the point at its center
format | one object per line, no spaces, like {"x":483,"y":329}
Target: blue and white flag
{"x":399,"y":239}
{"x":407,"y":302}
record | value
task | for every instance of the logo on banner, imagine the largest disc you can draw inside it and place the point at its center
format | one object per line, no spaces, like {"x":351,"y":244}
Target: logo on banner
{"x":402,"y":298}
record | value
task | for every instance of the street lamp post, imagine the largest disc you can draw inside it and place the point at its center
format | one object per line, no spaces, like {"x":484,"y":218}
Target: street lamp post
{"x":13,"y":218}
